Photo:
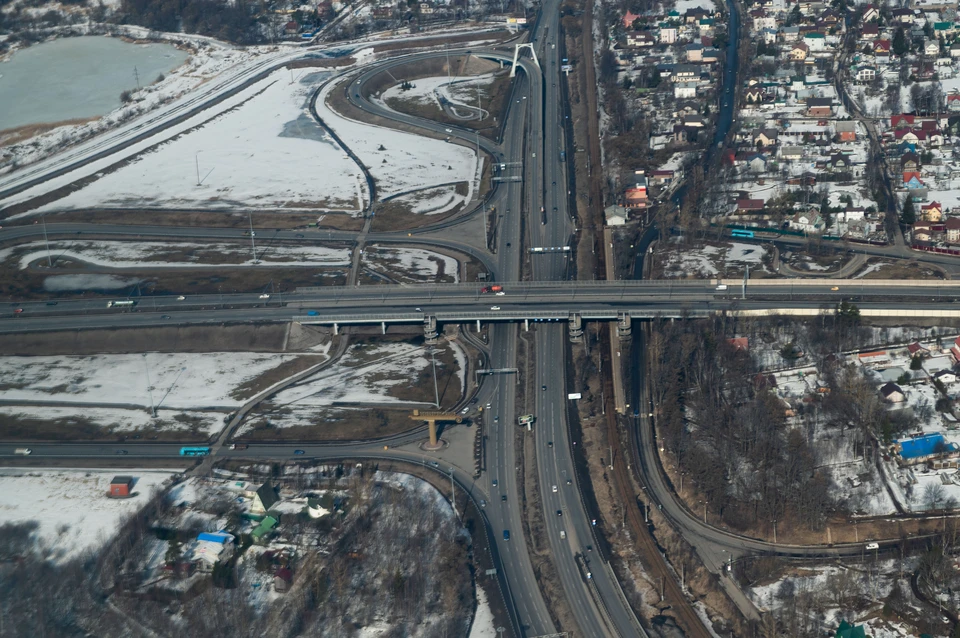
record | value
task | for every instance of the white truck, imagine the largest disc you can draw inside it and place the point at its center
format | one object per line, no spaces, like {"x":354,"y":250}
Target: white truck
{"x":24,"y":451}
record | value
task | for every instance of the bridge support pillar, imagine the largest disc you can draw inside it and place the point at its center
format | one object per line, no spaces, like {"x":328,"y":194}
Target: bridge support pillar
{"x":575,"y":326}
{"x":336,"y":329}
{"x":526,"y":325}
{"x":432,"y":429}
{"x":624,"y":326}
{"x":430,"y":329}
{"x":383,"y":327}
{"x":478,"y":325}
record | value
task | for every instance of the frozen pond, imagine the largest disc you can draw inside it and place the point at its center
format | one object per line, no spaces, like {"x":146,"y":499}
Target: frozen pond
{"x":74,"y":78}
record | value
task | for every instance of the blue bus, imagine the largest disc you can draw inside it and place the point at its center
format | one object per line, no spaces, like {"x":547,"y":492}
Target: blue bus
{"x":741,"y":233}
{"x":194,"y":451}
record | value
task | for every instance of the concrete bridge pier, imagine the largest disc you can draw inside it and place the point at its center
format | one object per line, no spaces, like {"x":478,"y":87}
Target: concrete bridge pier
{"x":430,"y":329}
{"x":624,"y":326}
{"x":383,"y":327}
{"x":526,"y":325}
{"x":575,"y":326}
{"x":336,"y":329}
{"x":478,"y":325}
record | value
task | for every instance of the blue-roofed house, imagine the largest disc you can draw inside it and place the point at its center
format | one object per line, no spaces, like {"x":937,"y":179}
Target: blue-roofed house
{"x":926,"y":448}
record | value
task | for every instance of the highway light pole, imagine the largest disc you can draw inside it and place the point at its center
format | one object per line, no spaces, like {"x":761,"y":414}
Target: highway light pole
{"x":46,"y":241}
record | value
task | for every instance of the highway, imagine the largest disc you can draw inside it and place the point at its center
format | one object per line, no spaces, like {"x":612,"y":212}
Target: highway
{"x":533,"y":212}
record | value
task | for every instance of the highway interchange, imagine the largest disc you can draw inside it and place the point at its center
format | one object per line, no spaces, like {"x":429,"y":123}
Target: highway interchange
{"x":532,"y":136}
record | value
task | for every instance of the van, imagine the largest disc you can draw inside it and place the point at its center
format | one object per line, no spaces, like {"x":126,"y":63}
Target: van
{"x":563,"y":534}
{"x":722,"y":287}
{"x":23,"y":450}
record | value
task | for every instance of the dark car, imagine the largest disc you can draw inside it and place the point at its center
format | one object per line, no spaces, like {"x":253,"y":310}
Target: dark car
{"x":164,"y":316}
{"x":559,"y":512}
{"x":120,"y":452}
{"x":549,"y":443}
{"x":299,"y":235}
{"x":543,"y":387}
{"x":298,"y":451}
{"x":503,"y":497}
{"x":52,"y":303}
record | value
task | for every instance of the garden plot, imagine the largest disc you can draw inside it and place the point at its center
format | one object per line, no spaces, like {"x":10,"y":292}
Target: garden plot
{"x":399,"y":161}
{"x":115,"y":254}
{"x":34,"y":420}
{"x":71,"y":508}
{"x":175,"y":380}
{"x":412,"y":265}
{"x":265,"y":153}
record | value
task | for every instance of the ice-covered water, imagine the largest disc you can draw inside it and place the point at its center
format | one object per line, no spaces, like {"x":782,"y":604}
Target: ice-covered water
{"x":74,"y":78}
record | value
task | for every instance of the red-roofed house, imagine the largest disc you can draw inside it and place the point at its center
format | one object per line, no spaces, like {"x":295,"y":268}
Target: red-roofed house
{"x":916,"y":349}
{"x":749,"y":205}
{"x":955,"y":349}
{"x":881,"y":47}
{"x":953,"y":102}
{"x":739,"y":343}
{"x":901,"y":120}
{"x":931,"y":212}
{"x":628,"y":19}
{"x":870,"y":32}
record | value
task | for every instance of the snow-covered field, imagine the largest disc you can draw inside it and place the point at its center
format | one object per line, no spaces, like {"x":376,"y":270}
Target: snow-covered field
{"x":401,"y":161}
{"x":455,"y":90}
{"x":432,"y":201}
{"x":176,"y":380}
{"x":114,"y":254}
{"x":118,"y":420}
{"x":266,"y":153}
{"x":708,"y":261}
{"x":413,"y":263}
{"x":72,"y":507}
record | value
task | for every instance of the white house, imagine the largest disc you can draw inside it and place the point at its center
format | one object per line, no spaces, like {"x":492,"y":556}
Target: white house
{"x":615,"y":215}
{"x":685,"y":90}
{"x":668,"y":35}
{"x":815,"y":41}
{"x":210,"y":548}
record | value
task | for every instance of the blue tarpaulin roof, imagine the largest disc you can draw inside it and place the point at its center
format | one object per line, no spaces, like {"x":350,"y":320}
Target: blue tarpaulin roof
{"x":920,"y":446}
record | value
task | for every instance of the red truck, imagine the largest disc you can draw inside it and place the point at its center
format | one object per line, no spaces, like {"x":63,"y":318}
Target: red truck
{"x":492,"y":289}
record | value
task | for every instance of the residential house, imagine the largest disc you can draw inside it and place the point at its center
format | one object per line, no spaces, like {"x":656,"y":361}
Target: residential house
{"x":757,"y":163}
{"x":846,"y":131}
{"x":693,"y":52}
{"x":912,"y":180}
{"x":922,"y":232}
{"x":662,"y":177}
{"x":282,"y":579}
{"x":909,"y":162}
{"x":637,"y":196}
{"x":870,"y":32}
{"x":839,"y":162}
{"x":881,"y":47}
{"x":291,"y":28}
{"x":640,"y":39}
{"x":955,"y":50}
{"x":870,"y":14}
{"x":952,"y":228}
{"x":807,"y":221}
{"x":932,"y":212}
{"x":685,"y":90}
{"x":765,"y":137}
{"x":944,"y":30}
{"x":264,"y":528}
{"x":686,"y":72}
{"x":211,"y":548}
{"x":931,"y":48}
{"x":769,"y":36}
{"x":955,"y":348}
{"x":790,"y":34}
{"x":265,"y":498}
{"x":791,"y":153}
{"x":864,"y":73}
{"x":629,"y":19}
{"x":799,"y":52}
{"x":668,"y":35}
{"x":946,"y":377}
{"x":819,"y":107}
{"x":815,"y":40}
{"x":953,"y":102}
{"x":903,"y":15}
{"x":893,"y":393}
{"x":754,"y":95}
{"x":915,"y":349}
{"x":616,"y":215}
{"x":710,"y":55}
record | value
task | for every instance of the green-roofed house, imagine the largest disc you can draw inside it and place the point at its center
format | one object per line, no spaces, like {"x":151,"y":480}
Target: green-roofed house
{"x":265,"y":527}
{"x":846,"y":630}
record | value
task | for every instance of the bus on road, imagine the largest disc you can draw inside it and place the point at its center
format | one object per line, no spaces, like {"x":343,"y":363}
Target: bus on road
{"x":194,"y":451}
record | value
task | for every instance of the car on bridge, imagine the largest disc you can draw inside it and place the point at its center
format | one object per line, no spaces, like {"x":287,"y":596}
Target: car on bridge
{"x":506,"y":534}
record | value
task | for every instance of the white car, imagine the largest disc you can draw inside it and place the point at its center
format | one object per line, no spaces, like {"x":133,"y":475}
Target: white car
{"x":264,"y":296}
{"x":501,"y":293}
{"x":448,"y":130}
{"x":494,"y":307}
{"x":181,"y":298}
{"x":554,"y":488}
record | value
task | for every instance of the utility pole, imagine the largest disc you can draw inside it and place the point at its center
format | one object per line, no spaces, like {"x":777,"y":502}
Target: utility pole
{"x":197,"y":159}
{"x":47,"y":242}
{"x":253,"y":237}
{"x":136,"y":74}
{"x":453,"y":493}
{"x":153,"y":410}
{"x":436,"y":390}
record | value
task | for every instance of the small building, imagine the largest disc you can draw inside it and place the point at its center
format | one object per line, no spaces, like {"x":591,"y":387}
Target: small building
{"x":892,"y":392}
{"x":932,"y":212}
{"x":121,"y":486}
{"x":265,"y":527}
{"x":212,"y":547}
{"x":846,"y":131}
{"x":921,"y":449}
{"x":946,"y":377}
{"x":282,"y":579}
{"x":616,"y":215}
{"x":819,"y":107}
{"x":265,"y":498}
